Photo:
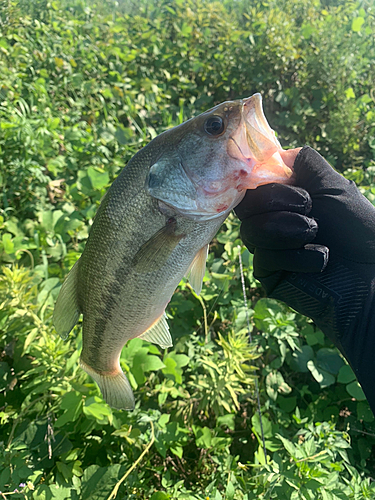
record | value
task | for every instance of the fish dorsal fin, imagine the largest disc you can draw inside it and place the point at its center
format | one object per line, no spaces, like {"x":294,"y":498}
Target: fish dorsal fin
{"x":67,"y":312}
{"x":155,"y":252}
{"x":158,"y":333}
{"x":197,"y":269}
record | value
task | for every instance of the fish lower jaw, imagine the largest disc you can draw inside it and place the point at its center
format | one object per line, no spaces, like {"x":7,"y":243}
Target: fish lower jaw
{"x":274,"y":170}
{"x":217,"y":203}
{"x":197,"y":213}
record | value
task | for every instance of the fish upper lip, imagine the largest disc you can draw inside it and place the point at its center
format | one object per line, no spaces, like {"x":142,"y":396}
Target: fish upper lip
{"x":254,"y":139}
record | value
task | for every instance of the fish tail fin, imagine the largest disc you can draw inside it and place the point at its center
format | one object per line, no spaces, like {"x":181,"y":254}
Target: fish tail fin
{"x":66,"y":312}
{"x":115,"y":387}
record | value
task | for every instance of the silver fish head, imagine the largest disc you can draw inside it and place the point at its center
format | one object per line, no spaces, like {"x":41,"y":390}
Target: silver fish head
{"x":209,"y":162}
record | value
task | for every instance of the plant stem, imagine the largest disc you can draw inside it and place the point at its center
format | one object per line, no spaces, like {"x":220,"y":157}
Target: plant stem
{"x":204,"y":311}
{"x":118,"y":484}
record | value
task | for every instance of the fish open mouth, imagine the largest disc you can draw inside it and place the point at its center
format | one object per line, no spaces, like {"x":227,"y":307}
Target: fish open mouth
{"x":256,"y":147}
{"x":250,"y":156}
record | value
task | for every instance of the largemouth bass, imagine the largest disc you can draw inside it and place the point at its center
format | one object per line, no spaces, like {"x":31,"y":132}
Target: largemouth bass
{"x":154,"y":226}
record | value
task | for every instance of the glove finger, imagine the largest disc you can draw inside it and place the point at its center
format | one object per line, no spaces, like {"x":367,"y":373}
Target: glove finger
{"x":310,"y":259}
{"x":313,"y":173}
{"x":346,"y":218}
{"x":278,"y":231}
{"x":274,"y":197}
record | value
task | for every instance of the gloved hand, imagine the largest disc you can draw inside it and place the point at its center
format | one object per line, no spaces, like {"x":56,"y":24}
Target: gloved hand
{"x":314,"y":248}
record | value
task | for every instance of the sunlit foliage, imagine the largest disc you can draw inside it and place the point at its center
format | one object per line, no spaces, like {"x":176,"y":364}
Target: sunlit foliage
{"x":83,"y":86}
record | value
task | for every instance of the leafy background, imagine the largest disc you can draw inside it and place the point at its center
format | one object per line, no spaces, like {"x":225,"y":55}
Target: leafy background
{"x":85,"y":85}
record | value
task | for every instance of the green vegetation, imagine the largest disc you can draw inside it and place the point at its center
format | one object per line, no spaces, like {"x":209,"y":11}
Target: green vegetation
{"x":82,"y":87}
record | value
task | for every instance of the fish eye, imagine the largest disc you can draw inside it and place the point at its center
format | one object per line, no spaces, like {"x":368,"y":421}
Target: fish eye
{"x":214,"y":125}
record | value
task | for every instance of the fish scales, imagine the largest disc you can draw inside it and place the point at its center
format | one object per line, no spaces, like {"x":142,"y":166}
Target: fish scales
{"x":154,"y":223}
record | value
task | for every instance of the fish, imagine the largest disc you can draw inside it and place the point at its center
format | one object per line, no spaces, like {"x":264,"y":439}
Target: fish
{"x":154,"y":226}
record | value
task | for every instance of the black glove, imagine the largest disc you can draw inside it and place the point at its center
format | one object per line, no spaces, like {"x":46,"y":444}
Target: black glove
{"x":314,"y":248}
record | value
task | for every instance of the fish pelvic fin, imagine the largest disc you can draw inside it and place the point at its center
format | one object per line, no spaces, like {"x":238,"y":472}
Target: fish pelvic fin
{"x":115,"y":387}
{"x":66,"y":312}
{"x":197,"y":270}
{"x":158,"y":333}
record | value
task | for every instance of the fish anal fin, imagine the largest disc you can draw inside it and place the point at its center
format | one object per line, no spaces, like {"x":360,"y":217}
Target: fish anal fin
{"x":158,"y":333}
{"x":115,"y":387}
{"x":197,"y":270}
{"x":155,"y":252}
{"x":66,"y":312}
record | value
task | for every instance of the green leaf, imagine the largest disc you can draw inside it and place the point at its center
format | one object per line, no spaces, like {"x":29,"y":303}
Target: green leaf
{"x":124,"y":135}
{"x":4,"y":477}
{"x":266,"y":423}
{"x":49,"y":286}
{"x":275,"y":384}
{"x":218,"y":495}
{"x":324,"y":378}
{"x":99,"y":179}
{"x":315,"y":337}
{"x":131,"y":348}
{"x":59,"y":62}
{"x":203,"y":437}
{"x":153,"y":363}
{"x":346,"y":375}
{"x":95,"y":408}
{"x":307,"y":30}
{"x":160,"y":495}
{"x":350,"y":93}
{"x":230,"y":491}
{"x":173,"y":365}
{"x":282,"y":98}
{"x":56,"y":165}
{"x":98,"y":482}
{"x":365,"y":448}
{"x":186,"y":30}
{"x":364,"y":412}
{"x":181,"y":359}
{"x":72,"y":403}
{"x":143,"y":362}
{"x":357,"y":23}
{"x":164,"y":419}
{"x":226,"y":420}
{"x":299,"y":359}
{"x":49,"y":219}
{"x":287,"y":404}
{"x":177,"y":450}
{"x":13,"y":226}
{"x":8,"y":243}
{"x":288,"y":445}
{"x":329,"y":360}
{"x":65,"y":470}
{"x":355,"y":390}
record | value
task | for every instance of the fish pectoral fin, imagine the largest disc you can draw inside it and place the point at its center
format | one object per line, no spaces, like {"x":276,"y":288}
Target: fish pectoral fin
{"x":115,"y":388}
{"x":66,"y":312}
{"x":158,"y":333}
{"x":197,"y":270}
{"x":155,"y":252}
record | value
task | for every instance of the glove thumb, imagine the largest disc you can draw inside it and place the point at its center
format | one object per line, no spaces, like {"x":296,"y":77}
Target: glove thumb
{"x":313,"y":173}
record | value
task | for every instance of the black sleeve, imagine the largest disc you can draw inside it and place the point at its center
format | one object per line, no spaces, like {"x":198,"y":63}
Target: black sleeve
{"x":323,"y":266}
